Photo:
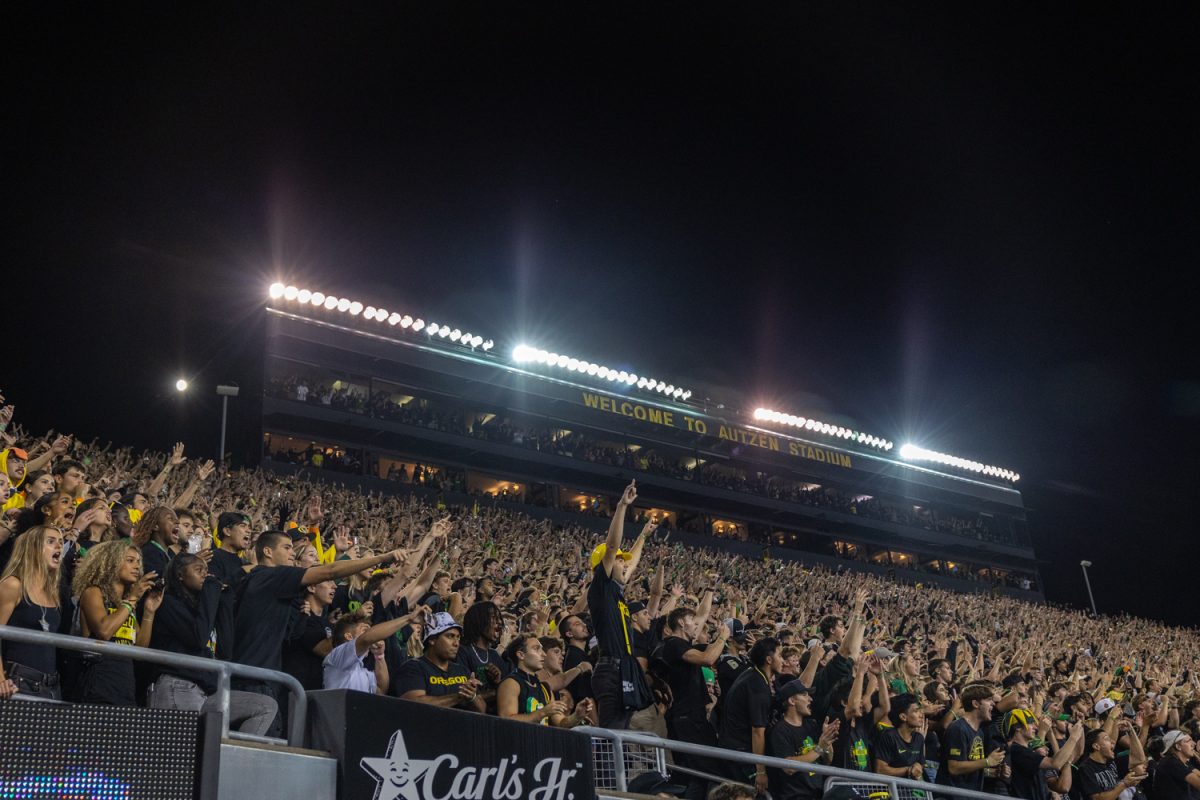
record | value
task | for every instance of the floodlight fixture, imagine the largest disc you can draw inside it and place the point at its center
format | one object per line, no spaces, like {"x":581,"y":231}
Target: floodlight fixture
{"x":816,"y":426}
{"x":912,"y":452}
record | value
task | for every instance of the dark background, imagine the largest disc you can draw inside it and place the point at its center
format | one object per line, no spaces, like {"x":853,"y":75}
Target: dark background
{"x":969,"y":229}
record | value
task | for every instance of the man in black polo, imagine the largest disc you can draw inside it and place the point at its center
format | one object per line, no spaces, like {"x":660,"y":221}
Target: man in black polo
{"x":437,"y":677}
{"x":618,"y":684}
{"x":747,"y":712}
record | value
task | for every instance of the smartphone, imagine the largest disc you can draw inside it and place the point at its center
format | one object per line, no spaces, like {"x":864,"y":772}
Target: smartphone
{"x":195,"y":541}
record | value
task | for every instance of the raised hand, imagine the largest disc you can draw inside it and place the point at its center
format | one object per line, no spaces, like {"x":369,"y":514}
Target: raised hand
{"x":142,"y":586}
{"x":61,"y":445}
{"x":204,"y":470}
{"x":629,"y":496}
{"x":176,"y":458}
{"x":441,"y":528}
{"x":153,"y":601}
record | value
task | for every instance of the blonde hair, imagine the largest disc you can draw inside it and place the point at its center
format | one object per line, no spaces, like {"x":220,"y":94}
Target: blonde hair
{"x":100,"y":567}
{"x":29,"y":566}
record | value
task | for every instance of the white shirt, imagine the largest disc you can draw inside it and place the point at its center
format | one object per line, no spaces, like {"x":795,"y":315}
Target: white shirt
{"x":344,"y":670}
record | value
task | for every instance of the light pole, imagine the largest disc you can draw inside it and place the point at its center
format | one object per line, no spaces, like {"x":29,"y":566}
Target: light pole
{"x":1085,"y":565}
{"x":225,"y":392}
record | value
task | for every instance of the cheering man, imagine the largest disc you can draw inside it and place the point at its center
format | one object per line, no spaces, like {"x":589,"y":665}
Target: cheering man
{"x":617,"y":681}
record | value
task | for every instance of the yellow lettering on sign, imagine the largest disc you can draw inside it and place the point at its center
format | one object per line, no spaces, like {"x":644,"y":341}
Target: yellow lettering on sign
{"x":658,"y":416}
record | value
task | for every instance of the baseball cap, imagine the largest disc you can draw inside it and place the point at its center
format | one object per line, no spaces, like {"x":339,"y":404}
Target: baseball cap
{"x":19,"y":453}
{"x":636,"y":606}
{"x":440,"y":623}
{"x":1171,"y":739}
{"x":653,"y":783}
{"x":737,"y":631}
{"x":1012,"y":680}
{"x":1104,"y":705}
{"x":884,"y":653}
{"x":790,"y":689}
{"x":598,"y":554}
{"x":1018,"y":717}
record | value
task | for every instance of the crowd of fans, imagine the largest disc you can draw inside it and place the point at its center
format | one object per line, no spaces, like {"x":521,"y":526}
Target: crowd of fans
{"x":383,"y":405}
{"x":488,"y":611}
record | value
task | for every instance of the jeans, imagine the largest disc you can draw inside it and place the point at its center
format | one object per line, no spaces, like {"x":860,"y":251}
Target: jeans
{"x":248,"y":713}
{"x":609,"y":694}
{"x":268,"y":691}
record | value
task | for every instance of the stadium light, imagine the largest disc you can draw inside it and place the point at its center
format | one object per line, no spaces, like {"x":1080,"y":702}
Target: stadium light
{"x":528,"y":354}
{"x":912,"y":452}
{"x":816,"y":426}
{"x":181,"y":385}
{"x":311,"y":298}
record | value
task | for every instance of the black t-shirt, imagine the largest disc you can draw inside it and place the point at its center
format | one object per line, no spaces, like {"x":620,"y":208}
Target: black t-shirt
{"x":610,"y":615}
{"x":785,"y":740}
{"x":476,"y":661}
{"x":686,"y":680}
{"x":993,"y":740}
{"x":852,"y":750}
{"x":264,"y":613}
{"x":747,"y":706}
{"x":347,"y":599}
{"x":1170,"y":781}
{"x":534,"y":693}
{"x":729,"y":667}
{"x":641,"y":642}
{"x":1095,"y":778}
{"x":226,"y":567}
{"x":1028,"y":779}
{"x":961,"y":742}
{"x":581,"y":687}
{"x":421,"y":674}
{"x":299,"y":660}
{"x":891,"y":749}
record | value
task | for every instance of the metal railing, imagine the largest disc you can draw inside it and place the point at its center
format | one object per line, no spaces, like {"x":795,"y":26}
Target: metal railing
{"x":897,"y":788}
{"x":223,"y":669}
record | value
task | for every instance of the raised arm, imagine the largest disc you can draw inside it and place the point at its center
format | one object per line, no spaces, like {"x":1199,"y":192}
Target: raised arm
{"x":189,"y":494}
{"x":656,"y":592}
{"x":377,"y":633}
{"x":174,"y":460}
{"x":616,"y":528}
{"x":344,"y":569}
{"x":635,"y":552}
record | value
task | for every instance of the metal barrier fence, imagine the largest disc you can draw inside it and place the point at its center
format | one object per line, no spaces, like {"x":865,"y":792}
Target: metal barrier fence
{"x":865,"y":784}
{"x":223,"y":669}
{"x":869,"y":790}
{"x":636,"y":760}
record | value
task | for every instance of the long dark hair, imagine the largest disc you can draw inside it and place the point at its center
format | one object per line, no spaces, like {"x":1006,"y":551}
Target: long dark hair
{"x":173,"y":581}
{"x":477,"y":619}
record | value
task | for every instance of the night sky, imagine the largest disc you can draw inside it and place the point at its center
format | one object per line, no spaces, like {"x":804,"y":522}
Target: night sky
{"x":959,"y":227}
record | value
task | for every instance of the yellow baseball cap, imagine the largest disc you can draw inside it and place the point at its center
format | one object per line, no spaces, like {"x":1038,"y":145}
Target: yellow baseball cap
{"x":598,"y":554}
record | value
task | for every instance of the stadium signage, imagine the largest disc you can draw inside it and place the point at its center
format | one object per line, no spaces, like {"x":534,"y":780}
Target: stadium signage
{"x":391,"y":749}
{"x":714,"y":428}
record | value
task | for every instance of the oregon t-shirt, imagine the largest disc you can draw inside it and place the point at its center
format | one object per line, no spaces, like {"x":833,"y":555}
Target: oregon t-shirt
{"x":785,"y":740}
{"x":961,"y":742}
{"x":421,"y":674}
